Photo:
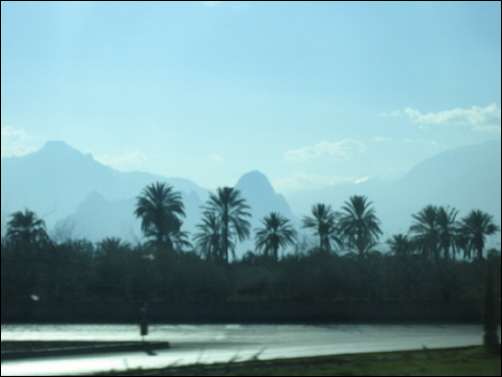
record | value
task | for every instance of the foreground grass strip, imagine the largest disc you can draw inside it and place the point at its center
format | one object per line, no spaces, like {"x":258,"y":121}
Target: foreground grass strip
{"x":466,"y":361}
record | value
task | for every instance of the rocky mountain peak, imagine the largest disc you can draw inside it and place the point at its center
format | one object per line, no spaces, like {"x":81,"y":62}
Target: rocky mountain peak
{"x":255,"y":182}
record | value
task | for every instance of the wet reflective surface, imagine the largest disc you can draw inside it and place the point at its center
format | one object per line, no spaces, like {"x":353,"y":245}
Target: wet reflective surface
{"x":223,"y":343}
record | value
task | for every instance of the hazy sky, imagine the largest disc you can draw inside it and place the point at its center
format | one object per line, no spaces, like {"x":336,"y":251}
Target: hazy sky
{"x":311,"y":94}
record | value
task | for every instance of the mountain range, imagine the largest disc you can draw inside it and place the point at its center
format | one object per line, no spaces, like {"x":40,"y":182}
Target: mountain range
{"x":465,"y":178}
{"x":80,"y":197}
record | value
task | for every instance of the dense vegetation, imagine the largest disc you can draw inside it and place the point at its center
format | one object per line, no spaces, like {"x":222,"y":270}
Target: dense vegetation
{"x":441,"y":258}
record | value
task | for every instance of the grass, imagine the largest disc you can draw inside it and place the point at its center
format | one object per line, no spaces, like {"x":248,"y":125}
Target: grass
{"x":467,"y":361}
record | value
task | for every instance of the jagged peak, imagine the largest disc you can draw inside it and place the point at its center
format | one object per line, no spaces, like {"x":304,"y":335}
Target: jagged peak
{"x":56,"y":145}
{"x":94,"y":196}
{"x":58,"y":149}
{"x":256,"y":181}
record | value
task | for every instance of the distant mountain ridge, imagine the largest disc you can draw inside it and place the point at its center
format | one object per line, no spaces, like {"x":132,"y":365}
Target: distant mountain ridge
{"x":256,"y":188}
{"x":56,"y":179}
{"x":464,"y":178}
{"x":81,"y":197}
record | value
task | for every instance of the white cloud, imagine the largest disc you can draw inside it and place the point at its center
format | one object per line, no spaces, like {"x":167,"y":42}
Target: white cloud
{"x":477,"y":118}
{"x":125,"y":162}
{"x":16,"y":142}
{"x":215,"y":157}
{"x":9,"y":131}
{"x":301,"y":181}
{"x":341,"y":150}
{"x":361,"y":180}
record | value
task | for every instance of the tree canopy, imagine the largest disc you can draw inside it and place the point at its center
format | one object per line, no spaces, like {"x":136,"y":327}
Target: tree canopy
{"x":160,"y":209}
{"x":231,"y":211}
{"x":277,"y":232}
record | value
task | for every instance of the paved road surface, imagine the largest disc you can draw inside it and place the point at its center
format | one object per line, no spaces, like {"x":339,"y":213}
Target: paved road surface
{"x":223,"y":343}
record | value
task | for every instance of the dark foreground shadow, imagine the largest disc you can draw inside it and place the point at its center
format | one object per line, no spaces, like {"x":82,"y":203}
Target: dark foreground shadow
{"x":32,"y":350}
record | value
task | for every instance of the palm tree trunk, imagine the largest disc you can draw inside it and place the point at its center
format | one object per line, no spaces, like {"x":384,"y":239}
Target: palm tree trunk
{"x":224,"y":256}
{"x":480,"y":253}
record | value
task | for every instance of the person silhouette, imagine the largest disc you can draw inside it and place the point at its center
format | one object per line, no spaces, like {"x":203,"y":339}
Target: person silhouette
{"x":143,"y":323}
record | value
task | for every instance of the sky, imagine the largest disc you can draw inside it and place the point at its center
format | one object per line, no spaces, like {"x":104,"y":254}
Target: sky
{"x":312,"y":94}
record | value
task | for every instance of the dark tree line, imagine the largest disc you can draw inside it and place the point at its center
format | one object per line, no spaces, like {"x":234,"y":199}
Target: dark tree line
{"x":345,"y":263}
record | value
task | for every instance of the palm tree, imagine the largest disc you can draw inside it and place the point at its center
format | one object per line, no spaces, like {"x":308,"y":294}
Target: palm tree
{"x":427,"y":231}
{"x":112,"y":246}
{"x":209,"y":239}
{"x":474,"y":228}
{"x":180,"y":241}
{"x":160,"y":209}
{"x":359,"y":224}
{"x":324,"y":223}
{"x":276,"y":233}
{"x":25,"y":230}
{"x":231,"y":212}
{"x":448,"y":230}
{"x":400,"y":245}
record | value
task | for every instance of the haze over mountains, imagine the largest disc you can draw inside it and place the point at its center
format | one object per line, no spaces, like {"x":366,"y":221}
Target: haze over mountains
{"x":80,"y":197}
{"x":465,"y":178}
{"x":56,"y":180}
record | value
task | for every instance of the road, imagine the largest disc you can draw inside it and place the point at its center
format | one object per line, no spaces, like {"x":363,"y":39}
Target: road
{"x":223,"y":343}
